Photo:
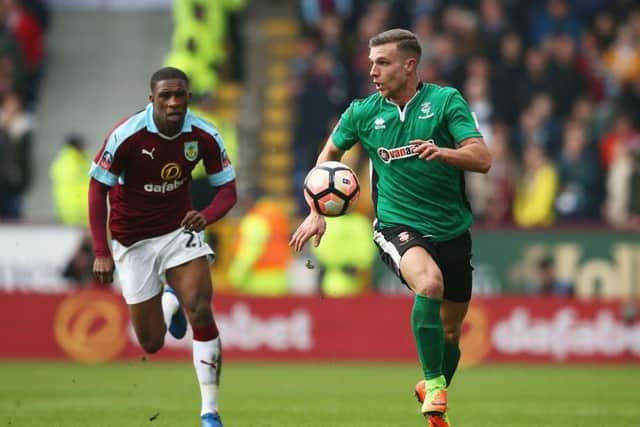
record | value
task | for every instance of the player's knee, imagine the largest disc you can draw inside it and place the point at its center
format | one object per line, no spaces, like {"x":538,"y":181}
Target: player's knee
{"x":199,"y":311}
{"x":429,"y":287}
{"x":151,"y":344}
{"x":452,"y":337}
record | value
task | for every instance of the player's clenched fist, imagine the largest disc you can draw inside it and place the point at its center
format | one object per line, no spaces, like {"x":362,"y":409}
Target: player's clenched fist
{"x":194,"y":220}
{"x":427,"y":150}
{"x":103,"y":269}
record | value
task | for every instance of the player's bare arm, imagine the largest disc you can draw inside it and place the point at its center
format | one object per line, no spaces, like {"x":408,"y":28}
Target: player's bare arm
{"x":314,"y":224}
{"x":471,"y":155}
{"x":330,"y":152}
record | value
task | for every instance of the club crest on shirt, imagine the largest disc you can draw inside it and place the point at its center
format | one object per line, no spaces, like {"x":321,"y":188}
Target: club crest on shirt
{"x":191,"y":150}
{"x":225,"y":160}
{"x":425,"y":107}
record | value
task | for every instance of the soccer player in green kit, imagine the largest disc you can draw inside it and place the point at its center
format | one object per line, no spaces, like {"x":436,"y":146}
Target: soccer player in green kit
{"x":420,"y":138}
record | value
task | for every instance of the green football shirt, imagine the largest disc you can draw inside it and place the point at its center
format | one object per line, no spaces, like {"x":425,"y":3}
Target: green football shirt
{"x":428,"y":196}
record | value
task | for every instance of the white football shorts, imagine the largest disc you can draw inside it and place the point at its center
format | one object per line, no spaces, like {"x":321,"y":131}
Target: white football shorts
{"x":142,"y":266}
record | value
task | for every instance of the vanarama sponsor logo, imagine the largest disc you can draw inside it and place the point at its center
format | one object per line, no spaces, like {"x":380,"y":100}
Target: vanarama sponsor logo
{"x":564,"y":335}
{"x":165,"y":187}
{"x":387,"y":155}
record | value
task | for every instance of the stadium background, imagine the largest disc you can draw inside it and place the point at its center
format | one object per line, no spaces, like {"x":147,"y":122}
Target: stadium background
{"x":283,"y":70}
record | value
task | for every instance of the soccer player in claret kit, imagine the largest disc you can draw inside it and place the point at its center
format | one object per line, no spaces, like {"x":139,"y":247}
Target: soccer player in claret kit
{"x":420,"y":138}
{"x":144,"y":166}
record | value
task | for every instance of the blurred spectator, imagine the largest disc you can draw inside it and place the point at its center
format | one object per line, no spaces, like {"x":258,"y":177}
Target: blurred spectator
{"x":579,"y":194}
{"x":262,"y":255}
{"x":494,"y":24}
{"x":461,"y":26}
{"x":306,"y":46}
{"x":39,"y":9}
{"x":506,"y":76}
{"x":449,"y":62}
{"x":589,"y":64}
{"x":564,"y":80}
{"x":359,"y":80}
{"x":585,"y":114}
{"x":538,"y":126}
{"x":622,"y":204}
{"x":492,"y":193}
{"x":621,"y":131}
{"x":12,"y":78}
{"x":477,"y":93}
{"x":604,"y":29}
{"x":425,"y":31}
{"x":545,"y":281}
{"x":200,"y":31}
{"x":536,"y":190}
{"x":70,"y":181}
{"x":533,"y":81}
{"x":629,"y":102}
{"x":29,"y":35}
{"x":346,"y":255}
{"x":312,"y":11}
{"x":622,"y":58}
{"x":70,"y":187}
{"x":16,"y":134}
{"x":552,"y":19}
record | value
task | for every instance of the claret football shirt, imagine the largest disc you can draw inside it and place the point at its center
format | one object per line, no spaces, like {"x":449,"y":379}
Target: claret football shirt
{"x":150,"y":173}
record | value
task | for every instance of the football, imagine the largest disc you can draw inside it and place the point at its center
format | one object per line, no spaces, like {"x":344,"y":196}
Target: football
{"x":331,"y":188}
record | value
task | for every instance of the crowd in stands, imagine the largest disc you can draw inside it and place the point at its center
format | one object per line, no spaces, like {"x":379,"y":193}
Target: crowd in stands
{"x":555,"y":86}
{"x":23,"y":27}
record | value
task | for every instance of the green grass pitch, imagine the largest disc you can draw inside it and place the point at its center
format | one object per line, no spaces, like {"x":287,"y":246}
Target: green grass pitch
{"x":153,"y":394}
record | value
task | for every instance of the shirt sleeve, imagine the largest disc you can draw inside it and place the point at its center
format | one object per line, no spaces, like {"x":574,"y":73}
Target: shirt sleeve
{"x":461,"y":122}
{"x":109,"y":163}
{"x":217,"y":163}
{"x":345,"y":134}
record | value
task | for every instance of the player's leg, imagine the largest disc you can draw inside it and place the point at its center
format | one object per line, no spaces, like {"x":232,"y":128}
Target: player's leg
{"x":192,"y":282}
{"x":141,"y":289}
{"x":423,"y":276}
{"x":148,"y":323}
{"x":452,"y":314}
{"x":454,"y":258}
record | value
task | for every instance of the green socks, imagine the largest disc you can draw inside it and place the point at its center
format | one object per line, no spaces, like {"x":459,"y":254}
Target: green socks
{"x":450,"y":361}
{"x":428,"y":333}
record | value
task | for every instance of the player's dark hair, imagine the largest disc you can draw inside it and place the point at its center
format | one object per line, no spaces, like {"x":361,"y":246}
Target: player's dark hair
{"x":168,"y":73}
{"x":406,"y":41}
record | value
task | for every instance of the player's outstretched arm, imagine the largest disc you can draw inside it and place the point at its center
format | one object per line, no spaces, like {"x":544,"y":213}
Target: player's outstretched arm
{"x":313,"y":225}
